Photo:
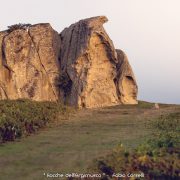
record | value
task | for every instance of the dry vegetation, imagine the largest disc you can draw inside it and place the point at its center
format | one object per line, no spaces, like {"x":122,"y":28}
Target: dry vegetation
{"x":24,"y":117}
{"x":149,"y":137}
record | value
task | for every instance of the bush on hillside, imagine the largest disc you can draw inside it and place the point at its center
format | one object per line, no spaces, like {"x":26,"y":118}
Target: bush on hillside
{"x":18,"y":26}
{"x":23,"y":117}
{"x":157,"y":158}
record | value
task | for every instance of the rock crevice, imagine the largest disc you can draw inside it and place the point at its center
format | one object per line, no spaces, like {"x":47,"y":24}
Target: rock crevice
{"x":37,"y":51}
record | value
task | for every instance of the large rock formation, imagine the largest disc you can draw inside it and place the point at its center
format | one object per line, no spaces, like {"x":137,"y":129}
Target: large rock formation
{"x":29,"y":62}
{"x":79,"y":67}
{"x":94,"y":71}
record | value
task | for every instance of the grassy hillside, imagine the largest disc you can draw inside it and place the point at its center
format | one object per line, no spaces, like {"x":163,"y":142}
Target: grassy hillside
{"x":73,"y":143}
{"x":156,"y":158}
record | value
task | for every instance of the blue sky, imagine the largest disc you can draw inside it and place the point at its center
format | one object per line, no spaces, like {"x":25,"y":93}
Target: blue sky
{"x":147,"y":30}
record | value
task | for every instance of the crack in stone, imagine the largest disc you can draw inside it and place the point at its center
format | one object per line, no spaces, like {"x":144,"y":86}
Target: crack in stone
{"x":4,"y":91}
{"x":4,"y":61}
{"x":41,"y":62}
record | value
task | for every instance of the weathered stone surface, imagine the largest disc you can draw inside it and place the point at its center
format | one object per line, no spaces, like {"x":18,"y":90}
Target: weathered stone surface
{"x":125,"y":81}
{"x":88,"y":59}
{"x":79,"y":67}
{"x":29,"y":63}
{"x":90,"y":64}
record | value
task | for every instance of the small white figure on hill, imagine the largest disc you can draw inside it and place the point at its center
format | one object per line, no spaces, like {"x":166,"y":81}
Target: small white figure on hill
{"x":156,"y":106}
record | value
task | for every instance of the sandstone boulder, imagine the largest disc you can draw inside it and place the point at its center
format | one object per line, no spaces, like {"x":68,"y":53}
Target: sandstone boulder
{"x":29,"y":63}
{"x":96,"y":75}
{"x":88,"y":61}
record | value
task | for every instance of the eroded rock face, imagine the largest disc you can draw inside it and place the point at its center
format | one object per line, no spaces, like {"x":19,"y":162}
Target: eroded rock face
{"x":125,"y":81}
{"x":88,"y":59}
{"x":79,"y":67}
{"x":29,"y":63}
{"x":90,"y":64}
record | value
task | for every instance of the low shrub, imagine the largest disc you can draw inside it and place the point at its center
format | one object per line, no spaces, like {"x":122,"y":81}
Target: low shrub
{"x":24,"y":117}
{"x":164,"y":165}
{"x":18,"y":26}
{"x":156,"y":158}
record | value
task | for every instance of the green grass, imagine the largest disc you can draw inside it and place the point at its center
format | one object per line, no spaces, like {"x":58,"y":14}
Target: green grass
{"x":157,"y":157}
{"x":71,"y":145}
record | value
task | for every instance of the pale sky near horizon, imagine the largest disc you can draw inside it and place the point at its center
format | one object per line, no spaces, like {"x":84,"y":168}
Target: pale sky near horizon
{"x":147,"y":30}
